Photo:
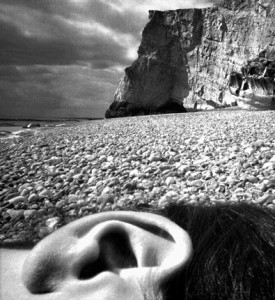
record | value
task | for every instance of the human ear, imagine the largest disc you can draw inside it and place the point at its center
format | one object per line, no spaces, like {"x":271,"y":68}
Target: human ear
{"x":108,"y":255}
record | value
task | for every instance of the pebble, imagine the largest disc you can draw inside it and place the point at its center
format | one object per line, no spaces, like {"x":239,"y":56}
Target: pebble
{"x":259,"y":143}
{"x":145,"y":185}
{"x":156,"y":191}
{"x":155,"y":157}
{"x":29,"y":213}
{"x":15,"y":214}
{"x":264,"y":199}
{"x":33,"y":198}
{"x":46,"y":193}
{"x":106,"y":198}
{"x":252,"y":179}
{"x":249,"y":151}
{"x":81,"y":203}
{"x":134,"y":173}
{"x":43,"y":232}
{"x":206,"y":175}
{"x":269,"y":165}
{"x":17,"y":200}
{"x":52,"y":223}
{"x":10,"y":196}
{"x":23,"y":187}
{"x":170,"y":180}
{"x":196,"y":183}
{"x":34,"y":206}
{"x":60,"y":203}
{"x":25,"y":192}
{"x":166,"y":199}
{"x":270,"y":183}
{"x":150,"y":160}
{"x":107,"y":190}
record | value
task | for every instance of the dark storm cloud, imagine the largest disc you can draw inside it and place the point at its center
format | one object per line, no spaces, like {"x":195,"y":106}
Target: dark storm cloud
{"x":21,"y":50}
{"x":17,"y":49}
{"x":56,"y":91}
{"x":61,"y":34}
{"x":98,"y":10}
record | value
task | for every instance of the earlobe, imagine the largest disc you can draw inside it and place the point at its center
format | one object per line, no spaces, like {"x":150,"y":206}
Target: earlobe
{"x":127,"y":245}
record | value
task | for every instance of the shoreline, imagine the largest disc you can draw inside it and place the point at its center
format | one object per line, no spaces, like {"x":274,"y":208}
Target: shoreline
{"x":18,"y":128}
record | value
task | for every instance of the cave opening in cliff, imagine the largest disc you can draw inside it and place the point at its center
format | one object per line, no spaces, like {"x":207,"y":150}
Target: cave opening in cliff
{"x":245,"y":86}
{"x":235,"y":83}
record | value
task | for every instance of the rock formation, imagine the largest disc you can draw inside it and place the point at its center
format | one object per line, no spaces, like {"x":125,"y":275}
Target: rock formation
{"x":190,"y":58}
{"x":254,"y":88}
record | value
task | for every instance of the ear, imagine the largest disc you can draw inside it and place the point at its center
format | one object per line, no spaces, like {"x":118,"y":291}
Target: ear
{"x":118,"y":248}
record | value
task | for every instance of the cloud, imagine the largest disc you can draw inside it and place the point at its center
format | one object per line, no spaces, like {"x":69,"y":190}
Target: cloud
{"x":56,"y":91}
{"x":65,"y":57}
{"x":67,"y":34}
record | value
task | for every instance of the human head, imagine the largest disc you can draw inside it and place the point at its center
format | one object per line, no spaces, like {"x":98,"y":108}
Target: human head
{"x":179,"y":252}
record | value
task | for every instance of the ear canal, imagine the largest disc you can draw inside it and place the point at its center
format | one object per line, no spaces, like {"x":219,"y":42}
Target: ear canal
{"x":115,"y":253}
{"x":127,"y":244}
{"x":117,"y":250}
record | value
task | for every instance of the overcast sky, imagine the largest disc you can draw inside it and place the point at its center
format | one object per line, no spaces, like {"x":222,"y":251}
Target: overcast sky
{"x":64,"y":58}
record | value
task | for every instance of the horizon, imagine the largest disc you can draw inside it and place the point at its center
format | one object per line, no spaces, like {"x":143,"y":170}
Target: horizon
{"x":49,"y":120}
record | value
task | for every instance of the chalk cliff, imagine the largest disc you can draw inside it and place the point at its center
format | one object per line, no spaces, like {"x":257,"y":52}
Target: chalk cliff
{"x":188,"y":57}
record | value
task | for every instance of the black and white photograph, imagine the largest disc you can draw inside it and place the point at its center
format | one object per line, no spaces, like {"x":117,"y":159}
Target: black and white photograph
{"x":137,"y":150}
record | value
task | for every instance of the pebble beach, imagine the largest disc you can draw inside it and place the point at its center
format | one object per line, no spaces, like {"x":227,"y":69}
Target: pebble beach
{"x":55,"y":176}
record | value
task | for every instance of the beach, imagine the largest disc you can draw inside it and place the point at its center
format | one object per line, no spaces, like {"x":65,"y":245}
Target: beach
{"x":55,"y":176}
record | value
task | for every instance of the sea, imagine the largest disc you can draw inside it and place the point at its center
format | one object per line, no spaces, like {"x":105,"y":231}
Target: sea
{"x":10,"y":127}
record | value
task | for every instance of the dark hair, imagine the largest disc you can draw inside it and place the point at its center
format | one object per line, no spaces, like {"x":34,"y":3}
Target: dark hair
{"x":234,"y":252}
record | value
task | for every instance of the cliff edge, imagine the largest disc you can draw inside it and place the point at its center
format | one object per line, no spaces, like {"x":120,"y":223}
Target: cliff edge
{"x":188,"y":59}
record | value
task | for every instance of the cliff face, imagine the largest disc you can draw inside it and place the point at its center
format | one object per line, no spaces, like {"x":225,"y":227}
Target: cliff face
{"x":187,"y":57}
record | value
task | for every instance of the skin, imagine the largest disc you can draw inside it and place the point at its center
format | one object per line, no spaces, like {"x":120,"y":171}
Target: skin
{"x":12,"y":287}
{"x":133,"y":247}
{"x":11,"y":262}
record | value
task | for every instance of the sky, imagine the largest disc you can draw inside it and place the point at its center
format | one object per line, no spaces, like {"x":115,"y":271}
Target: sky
{"x":64,"y":58}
